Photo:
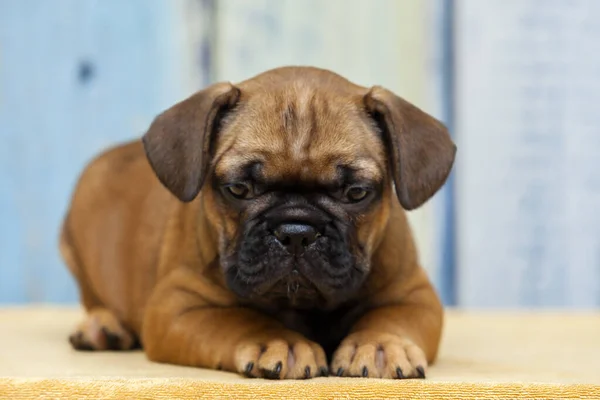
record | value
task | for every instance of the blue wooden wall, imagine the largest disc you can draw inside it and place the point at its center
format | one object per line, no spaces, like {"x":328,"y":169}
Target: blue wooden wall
{"x":75,"y":77}
{"x":527,"y":88}
{"x":516,"y":80}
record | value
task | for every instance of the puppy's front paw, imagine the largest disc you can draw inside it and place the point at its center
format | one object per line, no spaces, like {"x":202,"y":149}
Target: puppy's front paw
{"x":280,"y":356}
{"x":101,"y":330}
{"x":378,"y":355}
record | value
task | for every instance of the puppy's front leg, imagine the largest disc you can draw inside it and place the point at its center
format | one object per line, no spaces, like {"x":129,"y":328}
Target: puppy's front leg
{"x":398,"y":338}
{"x":183,"y":326}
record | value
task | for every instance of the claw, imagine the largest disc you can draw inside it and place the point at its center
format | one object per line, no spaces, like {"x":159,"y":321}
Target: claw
{"x":275,"y":373}
{"x":113,"y":342}
{"x":248,"y":370}
{"x":399,"y":373}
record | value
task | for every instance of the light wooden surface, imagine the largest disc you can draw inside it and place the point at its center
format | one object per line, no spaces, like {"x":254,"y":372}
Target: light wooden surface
{"x":477,"y":347}
{"x":483,"y":356}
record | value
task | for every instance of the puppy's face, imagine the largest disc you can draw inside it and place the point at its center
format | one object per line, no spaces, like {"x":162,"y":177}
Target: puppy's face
{"x":300,"y":187}
{"x":297,"y":167}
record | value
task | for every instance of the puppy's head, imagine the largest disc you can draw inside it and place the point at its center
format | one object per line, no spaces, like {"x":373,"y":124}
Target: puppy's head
{"x":298,"y":167}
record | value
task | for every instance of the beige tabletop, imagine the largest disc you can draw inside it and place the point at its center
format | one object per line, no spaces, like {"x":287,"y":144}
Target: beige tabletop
{"x":478,"y":347}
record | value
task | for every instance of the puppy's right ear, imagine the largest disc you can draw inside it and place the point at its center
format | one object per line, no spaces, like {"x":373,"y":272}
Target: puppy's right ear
{"x":178,"y":141}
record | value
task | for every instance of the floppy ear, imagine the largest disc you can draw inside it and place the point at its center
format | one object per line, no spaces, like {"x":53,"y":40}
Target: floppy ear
{"x":178,"y":141}
{"x":420,"y":149}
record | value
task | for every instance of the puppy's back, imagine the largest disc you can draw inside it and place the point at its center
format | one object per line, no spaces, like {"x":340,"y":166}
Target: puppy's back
{"x":111,"y":233}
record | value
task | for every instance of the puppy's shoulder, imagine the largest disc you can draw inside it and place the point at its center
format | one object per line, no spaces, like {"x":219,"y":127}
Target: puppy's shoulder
{"x":119,"y":174}
{"x":116,"y":159}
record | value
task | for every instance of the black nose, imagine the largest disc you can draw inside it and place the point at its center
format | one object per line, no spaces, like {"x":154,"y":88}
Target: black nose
{"x":295,"y":237}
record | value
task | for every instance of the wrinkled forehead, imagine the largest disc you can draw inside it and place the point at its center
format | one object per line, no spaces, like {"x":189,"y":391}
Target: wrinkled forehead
{"x":302,"y":135}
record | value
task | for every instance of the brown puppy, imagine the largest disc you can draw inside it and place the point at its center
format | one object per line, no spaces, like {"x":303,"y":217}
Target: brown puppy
{"x":272,"y":243}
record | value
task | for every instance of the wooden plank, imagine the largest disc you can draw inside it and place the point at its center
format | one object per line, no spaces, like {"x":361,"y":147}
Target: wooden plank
{"x":529,"y":187}
{"x":75,"y":76}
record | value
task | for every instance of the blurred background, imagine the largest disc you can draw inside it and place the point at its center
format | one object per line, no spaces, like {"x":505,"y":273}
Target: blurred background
{"x":516,"y":81}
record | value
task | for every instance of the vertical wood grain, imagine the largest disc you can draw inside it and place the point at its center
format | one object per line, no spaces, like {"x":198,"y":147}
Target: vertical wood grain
{"x":528,"y":86}
{"x":76,"y":76}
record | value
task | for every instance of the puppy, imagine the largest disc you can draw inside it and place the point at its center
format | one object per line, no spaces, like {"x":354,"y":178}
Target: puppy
{"x":260,"y":228}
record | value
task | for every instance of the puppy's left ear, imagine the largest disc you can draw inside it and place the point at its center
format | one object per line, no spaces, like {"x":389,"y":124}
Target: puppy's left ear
{"x":178,"y":142}
{"x":420,"y":150}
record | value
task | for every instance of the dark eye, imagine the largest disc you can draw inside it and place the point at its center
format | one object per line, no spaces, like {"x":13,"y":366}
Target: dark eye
{"x":356,"y":193}
{"x":239,"y":190}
